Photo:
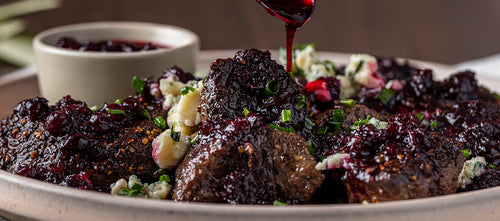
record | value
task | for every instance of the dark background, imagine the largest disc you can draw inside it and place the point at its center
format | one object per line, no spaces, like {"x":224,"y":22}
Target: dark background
{"x":442,"y":31}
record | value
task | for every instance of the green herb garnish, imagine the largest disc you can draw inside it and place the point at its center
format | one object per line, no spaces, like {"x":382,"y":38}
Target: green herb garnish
{"x":492,"y":166}
{"x":308,"y":123}
{"x":360,"y":65}
{"x":146,"y":114}
{"x":495,"y":95}
{"x":310,"y":146}
{"x":136,"y":190}
{"x":176,"y":136}
{"x":165,"y":178}
{"x":138,"y":85}
{"x":386,"y":95}
{"x":276,"y":127}
{"x":186,"y":90}
{"x":360,"y":122}
{"x":245,"y":111}
{"x":330,"y":66}
{"x":286,"y":116}
{"x":322,"y":130}
{"x":301,"y":104}
{"x":338,"y":119}
{"x":272,"y":87}
{"x":347,"y":102}
{"x":193,"y":141}
{"x":159,"y":172}
{"x":434,"y":124}
{"x":466,"y":153}
{"x":420,"y":116}
{"x":118,"y":101}
{"x":116,"y":111}
{"x":160,"y":122}
{"x":279,"y":203}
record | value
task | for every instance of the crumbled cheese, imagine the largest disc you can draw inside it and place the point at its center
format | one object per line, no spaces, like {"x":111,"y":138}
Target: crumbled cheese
{"x":184,"y":115}
{"x":472,"y":168}
{"x":305,"y":58}
{"x":158,"y":190}
{"x":333,"y":162}
{"x":171,"y":88}
{"x":117,"y":186}
{"x":132,"y":180}
{"x":347,"y":89}
{"x":366,"y":73}
{"x":167,"y":152}
{"x":378,"y":123}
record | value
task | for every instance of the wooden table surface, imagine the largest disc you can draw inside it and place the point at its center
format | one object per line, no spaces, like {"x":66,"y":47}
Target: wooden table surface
{"x":440,"y":31}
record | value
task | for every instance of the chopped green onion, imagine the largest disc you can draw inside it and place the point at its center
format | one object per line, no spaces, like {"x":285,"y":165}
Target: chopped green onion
{"x":165,"y":178}
{"x":360,"y":122}
{"x":138,"y":85}
{"x":301,"y":104}
{"x":420,"y":116}
{"x":146,"y":114}
{"x":272,"y":87}
{"x":492,"y":166}
{"x":322,"y":130}
{"x":286,"y":116}
{"x":193,"y":141}
{"x":308,"y":123}
{"x":245,"y":111}
{"x":386,"y":95}
{"x":137,"y":187}
{"x":338,"y":119}
{"x":466,"y":153}
{"x":310,"y":146}
{"x":276,"y":127}
{"x":298,"y":72}
{"x":186,"y":90}
{"x":160,"y":122}
{"x":360,"y":65}
{"x":159,"y":172}
{"x":347,"y":102}
{"x":93,"y":108}
{"x":495,"y":95}
{"x":176,"y":136}
{"x":434,"y":124}
{"x":118,"y":101}
{"x":279,"y":203}
{"x":321,"y":158}
{"x":129,"y":192}
{"x":116,"y":111}
{"x":330,"y":66}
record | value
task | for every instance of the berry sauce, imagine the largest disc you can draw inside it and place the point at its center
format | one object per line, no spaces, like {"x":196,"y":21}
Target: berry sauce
{"x":294,"y":13}
{"x":113,"y":45}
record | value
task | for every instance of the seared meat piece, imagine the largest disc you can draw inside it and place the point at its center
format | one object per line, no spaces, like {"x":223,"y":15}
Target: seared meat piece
{"x":243,"y":162}
{"x":404,"y":161}
{"x":253,"y":81}
{"x":70,"y":145}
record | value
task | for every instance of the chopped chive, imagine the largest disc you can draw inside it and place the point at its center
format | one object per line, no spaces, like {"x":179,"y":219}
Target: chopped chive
{"x":321,"y":158}
{"x":279,"y":203}
{"x":186,"y":90}
{"x":138,"y":85}
{"x":137,"y":187}
{"x":146,"y":114}
{"x":310,"y":146}
{"x":118,"y":101}
{"x":492,"y":166}
{"x":286,"y":115}
{"x":338,"y":119}
{"x":495,"y":95}
{"x":272,"y":87}
{"x":322,"y":130}
{"x":129,"y":192}
{"x":245,"y":111}
{"x":160,"y":122}
{"x":193,"y":141}
{"x":176,"y":136}
{"x":116,"y":111}
{"x":164,"y":178}
{"x":159,"y":172}
{"x":347,"y":102}
{"x":330,"y":66}
{"x":360,"y":65}
{"x":386,"y":95}
{"x":466,"y":153}
{"x":434,"y":124}
{"x":308,"y":123}
{"x":93,"y":108}
{"x":302,"y":103}
{"x":420,"y":116}
{"x":360,"y":122}
{"x":276,"y":127}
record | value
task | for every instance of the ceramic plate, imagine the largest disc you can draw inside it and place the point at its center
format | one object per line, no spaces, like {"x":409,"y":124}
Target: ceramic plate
{"x":24,"y":198}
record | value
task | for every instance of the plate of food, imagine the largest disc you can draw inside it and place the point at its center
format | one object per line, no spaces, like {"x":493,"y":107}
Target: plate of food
{"x":344,"y":137}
